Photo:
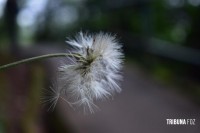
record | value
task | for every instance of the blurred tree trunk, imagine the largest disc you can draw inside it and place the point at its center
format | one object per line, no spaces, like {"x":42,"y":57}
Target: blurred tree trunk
{"x":11,"y":12}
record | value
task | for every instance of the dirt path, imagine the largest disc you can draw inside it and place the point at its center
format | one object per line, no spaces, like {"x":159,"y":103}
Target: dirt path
{"x":142,"y":107}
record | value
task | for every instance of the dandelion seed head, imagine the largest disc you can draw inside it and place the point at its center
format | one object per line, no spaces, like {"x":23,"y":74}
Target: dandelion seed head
{"x":95,"y":73}
{"x":51,"y":96}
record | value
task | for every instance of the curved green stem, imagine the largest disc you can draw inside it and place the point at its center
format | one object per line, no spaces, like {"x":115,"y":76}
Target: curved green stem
{"x":37,"y":58}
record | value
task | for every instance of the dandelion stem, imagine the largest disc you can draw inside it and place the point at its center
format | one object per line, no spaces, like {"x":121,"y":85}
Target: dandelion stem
{"x":6,"y":66}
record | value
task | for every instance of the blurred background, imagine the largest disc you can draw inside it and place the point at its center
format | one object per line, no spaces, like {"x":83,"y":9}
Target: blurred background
{"x":161,"y":73}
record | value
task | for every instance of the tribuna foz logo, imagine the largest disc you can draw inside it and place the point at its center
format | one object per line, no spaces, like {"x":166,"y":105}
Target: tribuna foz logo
{"x":180,"y":121}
